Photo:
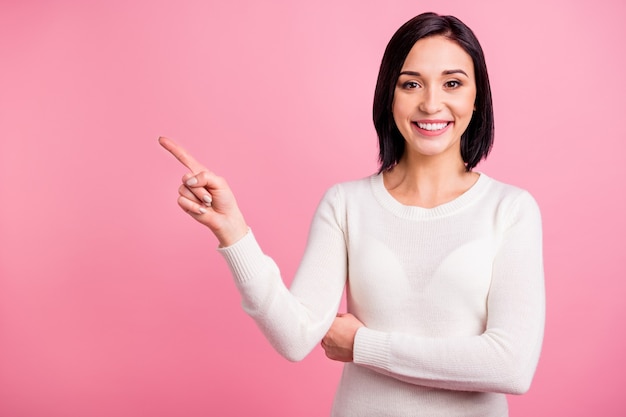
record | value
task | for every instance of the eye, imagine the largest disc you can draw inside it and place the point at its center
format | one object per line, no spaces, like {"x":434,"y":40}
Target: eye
{"x":452,"y":84}
{"x":409,"y":85}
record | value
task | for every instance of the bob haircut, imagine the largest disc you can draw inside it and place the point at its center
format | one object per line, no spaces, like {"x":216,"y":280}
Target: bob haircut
{"x":477,"y":140}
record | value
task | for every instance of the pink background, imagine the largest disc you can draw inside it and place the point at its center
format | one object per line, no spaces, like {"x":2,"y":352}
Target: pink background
{"x":113,"y":302}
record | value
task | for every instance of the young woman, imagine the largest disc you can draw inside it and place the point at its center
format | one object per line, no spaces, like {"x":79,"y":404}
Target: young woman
{"x":442,"y":265}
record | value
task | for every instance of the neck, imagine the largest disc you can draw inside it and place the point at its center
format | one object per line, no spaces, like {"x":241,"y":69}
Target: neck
{"x":428,"y":182}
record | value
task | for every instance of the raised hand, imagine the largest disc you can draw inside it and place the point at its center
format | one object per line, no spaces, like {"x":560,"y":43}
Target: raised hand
{"x":207,"y":198}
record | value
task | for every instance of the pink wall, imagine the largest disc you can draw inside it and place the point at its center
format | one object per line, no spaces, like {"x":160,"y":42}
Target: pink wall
{"x":113,"y":302}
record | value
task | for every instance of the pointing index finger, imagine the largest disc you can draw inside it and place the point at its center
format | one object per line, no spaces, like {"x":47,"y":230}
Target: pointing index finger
{"x":181,"y":154}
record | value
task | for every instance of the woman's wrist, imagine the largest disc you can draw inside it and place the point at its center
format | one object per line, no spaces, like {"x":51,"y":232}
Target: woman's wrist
{"x":230,"y":236}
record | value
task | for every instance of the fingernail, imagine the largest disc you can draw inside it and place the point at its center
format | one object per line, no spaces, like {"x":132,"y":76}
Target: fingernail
{"x":207,"y":199}
{"x":202,"y":210}
{"x":192,"y":181}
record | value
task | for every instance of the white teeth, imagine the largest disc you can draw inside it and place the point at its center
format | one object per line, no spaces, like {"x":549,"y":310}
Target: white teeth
{"x":432,"y":126}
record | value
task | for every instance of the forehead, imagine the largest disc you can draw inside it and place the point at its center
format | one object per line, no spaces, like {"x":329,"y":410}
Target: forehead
{"x":436,"y":54}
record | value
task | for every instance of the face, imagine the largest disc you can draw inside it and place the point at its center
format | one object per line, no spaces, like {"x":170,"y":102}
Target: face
{"x":434,"y":98}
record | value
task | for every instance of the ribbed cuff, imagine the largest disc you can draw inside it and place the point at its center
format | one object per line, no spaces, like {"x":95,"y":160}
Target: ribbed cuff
{"x":244,"y":258}
{"x":371,"y":348}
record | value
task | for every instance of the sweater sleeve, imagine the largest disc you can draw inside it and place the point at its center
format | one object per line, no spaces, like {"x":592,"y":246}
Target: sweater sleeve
{"x":504,"y":357}
{"x":295,"y":320}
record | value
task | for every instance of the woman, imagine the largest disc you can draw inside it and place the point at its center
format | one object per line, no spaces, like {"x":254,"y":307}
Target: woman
{"x":442,"y":265}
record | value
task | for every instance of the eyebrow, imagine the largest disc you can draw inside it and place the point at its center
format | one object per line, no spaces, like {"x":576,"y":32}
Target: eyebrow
{"x":446,"y":72}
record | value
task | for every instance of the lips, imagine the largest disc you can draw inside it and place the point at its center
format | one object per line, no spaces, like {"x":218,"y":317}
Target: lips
{"x":431,"y":127}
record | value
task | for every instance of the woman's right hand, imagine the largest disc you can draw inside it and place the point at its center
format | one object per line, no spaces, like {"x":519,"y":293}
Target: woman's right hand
{"x":207,"y":198}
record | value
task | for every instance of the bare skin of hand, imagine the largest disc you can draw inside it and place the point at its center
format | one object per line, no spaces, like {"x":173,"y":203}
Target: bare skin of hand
{"x":207,"y":198}
{"x":339,"y":340}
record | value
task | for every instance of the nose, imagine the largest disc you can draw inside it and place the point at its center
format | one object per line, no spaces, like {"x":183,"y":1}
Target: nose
{"x":430,"y":101}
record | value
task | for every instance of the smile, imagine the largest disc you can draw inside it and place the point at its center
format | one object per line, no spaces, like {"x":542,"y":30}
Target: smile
{"x":432,"y":127}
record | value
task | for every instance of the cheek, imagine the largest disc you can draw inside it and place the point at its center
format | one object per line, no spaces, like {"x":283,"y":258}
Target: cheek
{"x":398,"y":110}
{"x":394,"y":112}
{"x":464,"y":107}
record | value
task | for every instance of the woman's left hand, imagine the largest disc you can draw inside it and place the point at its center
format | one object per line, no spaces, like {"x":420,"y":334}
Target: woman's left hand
{"x":339,"y":341}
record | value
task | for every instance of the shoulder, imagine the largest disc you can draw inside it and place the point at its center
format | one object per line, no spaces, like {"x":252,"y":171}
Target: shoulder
{"x":350,"y":189}
{"x":334,"y":205}
{"x":347,"y":196}
{"x":512,"y":202}
{"x":507,"y":192}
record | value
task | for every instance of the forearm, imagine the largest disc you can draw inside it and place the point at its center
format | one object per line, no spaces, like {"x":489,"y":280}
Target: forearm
{"x":489,"y":362}
{"x":290,"y":325}
{"x":295,"y":319}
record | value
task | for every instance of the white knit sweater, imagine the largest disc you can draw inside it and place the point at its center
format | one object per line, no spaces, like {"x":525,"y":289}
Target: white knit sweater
{"x":452,"y":297}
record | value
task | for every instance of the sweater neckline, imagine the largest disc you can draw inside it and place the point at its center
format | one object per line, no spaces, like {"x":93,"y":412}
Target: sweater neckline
{"x":385,"y":199}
